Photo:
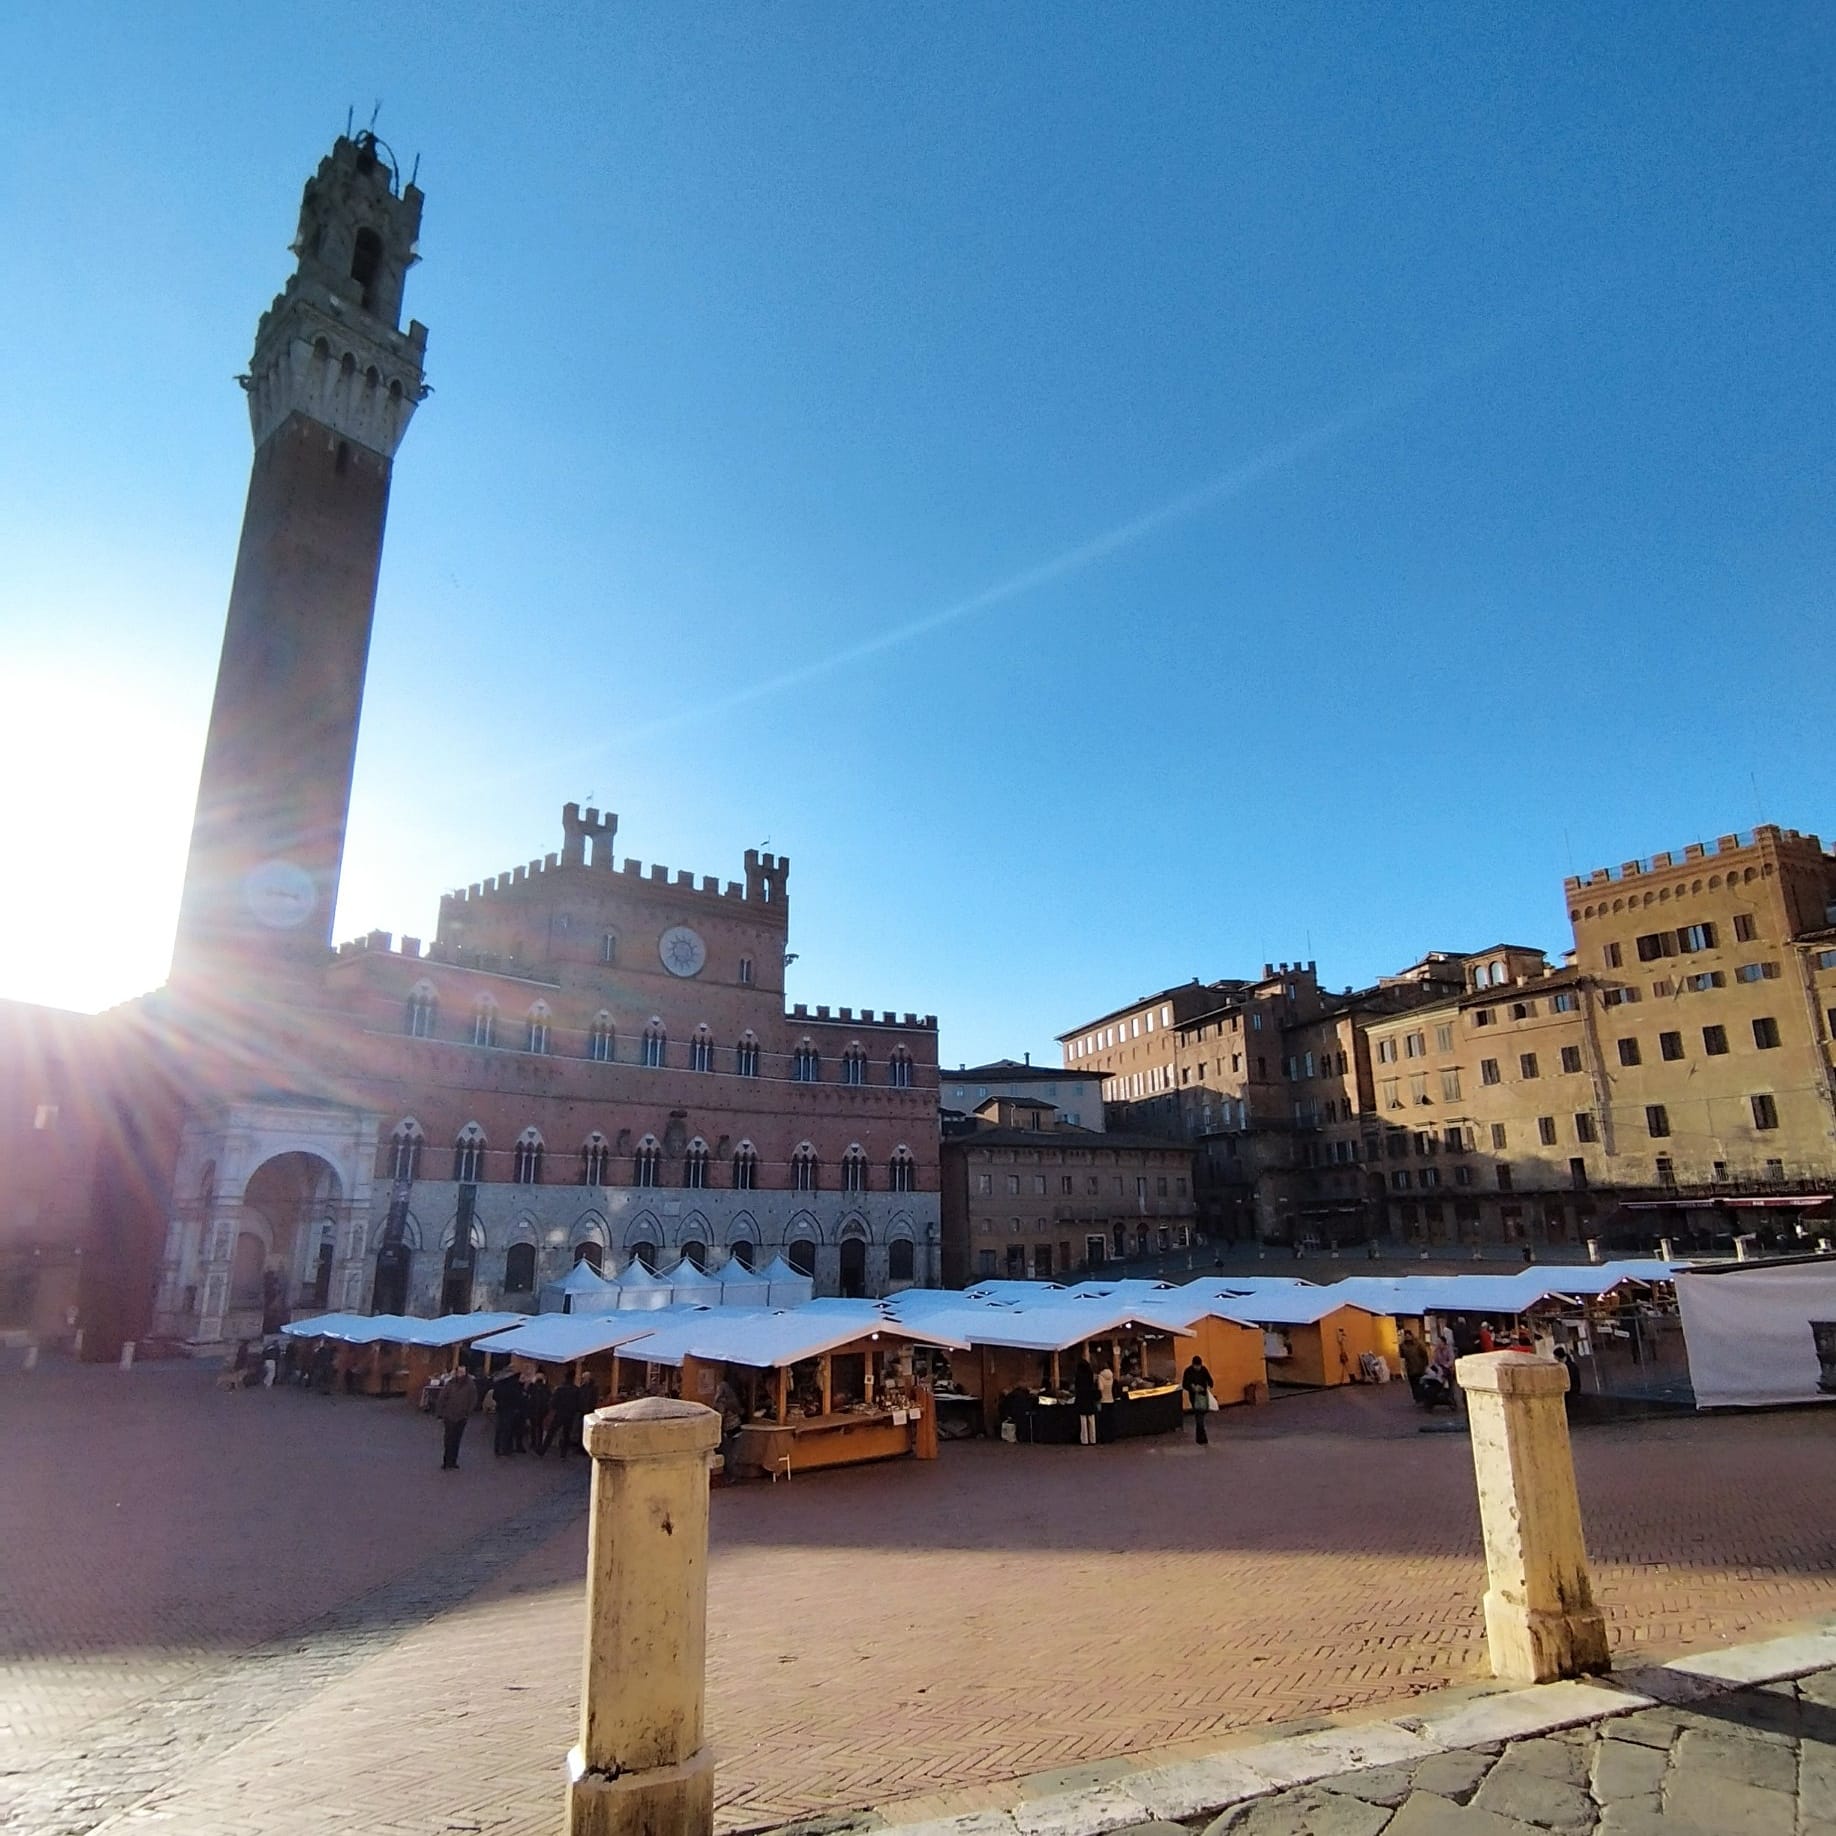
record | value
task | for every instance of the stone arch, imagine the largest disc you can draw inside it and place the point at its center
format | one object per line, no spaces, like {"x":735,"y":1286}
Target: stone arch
{"x":524,"y":1230}
{"x":642,"y":1227}
{"x":451,"y":1230}
{"x":804,"y":1226}
{"x":285,"y":1201}
{"x":411,"y":1233}
{"x":590,"y":1227}
{"x":854,"y":1228}
{"x":741,"y":1227}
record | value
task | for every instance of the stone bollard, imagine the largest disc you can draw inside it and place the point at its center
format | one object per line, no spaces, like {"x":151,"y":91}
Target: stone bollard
{"x":640,"y":1768}
{"x":1540,"y":1618}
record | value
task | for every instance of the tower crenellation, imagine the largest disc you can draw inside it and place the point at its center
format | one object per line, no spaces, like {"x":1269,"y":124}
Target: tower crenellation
{"x":330,"y":346}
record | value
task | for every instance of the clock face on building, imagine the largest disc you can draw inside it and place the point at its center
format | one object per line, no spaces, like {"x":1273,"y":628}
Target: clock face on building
{"x":682,"y":950}
{"x":280,"y":894}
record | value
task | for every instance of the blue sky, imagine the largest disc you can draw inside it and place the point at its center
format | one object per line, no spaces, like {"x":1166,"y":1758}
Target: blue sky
{"x":1116,"y":493}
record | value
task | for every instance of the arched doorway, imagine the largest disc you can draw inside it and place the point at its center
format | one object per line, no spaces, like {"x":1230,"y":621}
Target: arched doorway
{"x":456,"y":1278}
{"x":390,"y":1292}
{"x":322,"y":1274}
{"x":802,"y":1257}
{"x":274,"y":1267}
{"x":853,"y":1269}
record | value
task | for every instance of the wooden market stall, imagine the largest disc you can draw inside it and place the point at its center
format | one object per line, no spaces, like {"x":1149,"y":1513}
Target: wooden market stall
{"x":1311,"y":1336}
{"x":1021,"y":1361}
{"x":833,"y":1383}
{"x":394,"y":1354}
{"x":578,"y":1344}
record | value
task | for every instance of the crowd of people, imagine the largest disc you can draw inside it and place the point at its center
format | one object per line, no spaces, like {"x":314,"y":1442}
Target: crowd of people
{"x":528,"y":1415}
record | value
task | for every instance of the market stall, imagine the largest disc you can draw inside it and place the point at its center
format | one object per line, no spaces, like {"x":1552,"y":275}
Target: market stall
{"x":581,"y":1344}
{"x":831,"y":1385}
{"x":1021,"y":1361}
{"x":1311,"y":1336}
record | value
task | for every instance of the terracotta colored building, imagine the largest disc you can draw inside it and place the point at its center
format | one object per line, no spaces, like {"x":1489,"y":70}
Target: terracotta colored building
{"x":590,"y":1060}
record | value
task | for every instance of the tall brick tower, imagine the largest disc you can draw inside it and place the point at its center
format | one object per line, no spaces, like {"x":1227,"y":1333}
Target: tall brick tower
{"x":332,"y":386}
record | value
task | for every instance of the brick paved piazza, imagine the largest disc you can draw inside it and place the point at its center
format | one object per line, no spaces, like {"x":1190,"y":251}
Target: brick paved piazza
{"x":262,"y":1613}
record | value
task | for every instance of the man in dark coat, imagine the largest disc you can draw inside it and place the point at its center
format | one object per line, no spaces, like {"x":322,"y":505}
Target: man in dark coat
{"x":458,"y":1398}
{"x":564,"y":1417}
{"x":507,"y":1400}
{"x":535,"y":1412}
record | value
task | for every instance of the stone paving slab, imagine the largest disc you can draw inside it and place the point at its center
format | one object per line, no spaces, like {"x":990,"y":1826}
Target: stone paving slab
{"x":1753,"y":1757}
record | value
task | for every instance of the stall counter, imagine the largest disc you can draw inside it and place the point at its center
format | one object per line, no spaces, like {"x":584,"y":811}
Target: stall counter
{"x":808,"y":1443}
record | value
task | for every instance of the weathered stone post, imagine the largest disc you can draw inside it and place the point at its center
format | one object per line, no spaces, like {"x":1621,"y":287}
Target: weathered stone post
{"x":640,"y":1768}
{"x":1540,"y":1618}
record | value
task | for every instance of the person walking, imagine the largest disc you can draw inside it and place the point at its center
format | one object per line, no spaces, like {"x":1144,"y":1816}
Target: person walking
{"x":458,"y":1399}
{"x":1196,"y":1381}
{"x":1084,"y":1393}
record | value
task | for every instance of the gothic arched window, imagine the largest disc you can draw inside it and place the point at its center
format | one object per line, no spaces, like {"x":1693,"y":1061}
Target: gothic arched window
{"x":900,"y":1260}
{"x":526,"y":1159}
{"x":902,"y":1171}
{"x":806,"y":1065}
{"x":747,"y":1057}
{"x":405,"y":1150}
{"x":538,"y":1027}
{"x":695,"y":1165}
{"x":805,"y":1169}
{"x":644,"y":1162}
{"x":423,"y":1012}
{"x":656,"y":1044}
{"x":484,"y":1022}
{"x":594,"y":1159}
{"x":854,"y":1170}
{"x":468,"y":1155}
{"x":602,"y":1043}
{"x":701,"y":1050}
{"x":899,"y":1069}
{"x":695,"y":1255}
{"x":745,"y":1168}
{"x":592,"y":1254}
{"x":854,"y":1066}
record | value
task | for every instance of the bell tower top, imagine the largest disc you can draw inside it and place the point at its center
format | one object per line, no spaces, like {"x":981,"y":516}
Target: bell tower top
{"x":357,"y":235}
{"x":331,"y":347}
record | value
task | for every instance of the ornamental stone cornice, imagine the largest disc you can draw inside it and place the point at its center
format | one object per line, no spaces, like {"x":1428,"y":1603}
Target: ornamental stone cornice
{"x":319,"y":355}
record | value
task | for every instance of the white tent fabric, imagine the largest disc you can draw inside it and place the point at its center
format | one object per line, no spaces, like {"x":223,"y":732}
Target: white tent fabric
{"x":638,"y":1289}
{"x":740,"y":1287}
{"x":787,"y":1287}
{"x":1760,"y":1336}
{"x":560,"y":1338}
{"x":327,"y":1326}
{"x":565,"y":1295}
{"x":691,"y":1286}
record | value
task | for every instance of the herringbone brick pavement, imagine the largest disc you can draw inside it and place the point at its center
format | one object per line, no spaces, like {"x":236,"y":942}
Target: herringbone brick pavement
{"x":888,"y":1632}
